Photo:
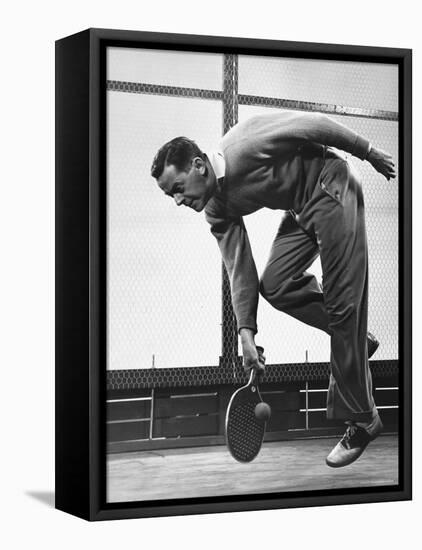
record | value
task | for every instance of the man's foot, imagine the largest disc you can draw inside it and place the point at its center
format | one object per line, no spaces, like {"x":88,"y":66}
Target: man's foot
{"x":354,"y":442}
{"x":372,"y":344}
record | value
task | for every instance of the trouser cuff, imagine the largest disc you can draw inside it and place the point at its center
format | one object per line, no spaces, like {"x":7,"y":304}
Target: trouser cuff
{"x":346,"y":415}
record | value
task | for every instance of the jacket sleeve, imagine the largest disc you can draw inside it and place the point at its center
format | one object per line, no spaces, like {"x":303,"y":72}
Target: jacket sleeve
{"x":236,"y":251}
{"x":279,"y":133}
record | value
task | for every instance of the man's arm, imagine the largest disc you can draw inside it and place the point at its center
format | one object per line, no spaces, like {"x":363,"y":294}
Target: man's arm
{"x":281,"y":133}
{"x":236,"y":252}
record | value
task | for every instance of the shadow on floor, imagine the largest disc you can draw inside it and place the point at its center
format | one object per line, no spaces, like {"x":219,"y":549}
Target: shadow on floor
{"x":45,"y":497}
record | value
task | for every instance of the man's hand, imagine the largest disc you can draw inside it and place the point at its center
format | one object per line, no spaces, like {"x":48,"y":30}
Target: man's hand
{"x":382,"y":162}
{"x":251,"y":357}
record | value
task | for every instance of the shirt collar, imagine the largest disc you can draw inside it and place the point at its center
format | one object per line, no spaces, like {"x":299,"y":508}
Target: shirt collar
{"x":217,"y":162}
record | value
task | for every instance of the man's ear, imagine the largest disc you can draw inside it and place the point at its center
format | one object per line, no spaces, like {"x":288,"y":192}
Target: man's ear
{"x":200,"y":165}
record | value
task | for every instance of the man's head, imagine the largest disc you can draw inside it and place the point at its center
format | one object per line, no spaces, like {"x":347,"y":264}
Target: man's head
{"x":184,"y":173}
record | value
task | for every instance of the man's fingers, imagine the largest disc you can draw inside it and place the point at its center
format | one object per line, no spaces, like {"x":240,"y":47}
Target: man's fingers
{"x":383,"y":162}
{"x":261,"y":356}
{"x":387,"y":169}
{"x":261,"y":362}
{"x":254,"y":359}
{"x":390,"y":173}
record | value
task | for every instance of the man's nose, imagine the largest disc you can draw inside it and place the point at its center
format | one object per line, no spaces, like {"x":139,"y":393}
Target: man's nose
{"x":179,"y":199}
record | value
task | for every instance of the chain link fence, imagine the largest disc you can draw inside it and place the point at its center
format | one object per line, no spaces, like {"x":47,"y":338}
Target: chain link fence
{"x":169,"y":302}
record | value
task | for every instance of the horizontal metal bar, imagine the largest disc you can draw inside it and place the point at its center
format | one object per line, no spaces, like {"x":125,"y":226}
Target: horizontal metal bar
{"x":189,"y":395}
{"x":251,"y":100}
{"x":325,"y":390}
{"x":324,"y":409}
{"x":128,"y":400}
{"x":297,"y":105}
{"x":193,"y":415}
{"x":128,"y":421}
{"x":157,"y":89}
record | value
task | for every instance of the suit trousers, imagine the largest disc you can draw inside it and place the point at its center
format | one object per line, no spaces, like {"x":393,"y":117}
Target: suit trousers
{"x":332,"y":225}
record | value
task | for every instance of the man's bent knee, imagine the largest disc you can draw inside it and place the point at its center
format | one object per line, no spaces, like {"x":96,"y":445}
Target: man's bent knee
{"x":274,"y":294}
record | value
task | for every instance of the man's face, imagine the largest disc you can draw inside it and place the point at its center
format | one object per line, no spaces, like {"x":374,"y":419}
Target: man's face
{"x":190,"y":187}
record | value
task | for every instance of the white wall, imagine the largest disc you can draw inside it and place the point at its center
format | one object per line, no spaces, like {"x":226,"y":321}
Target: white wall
{"x":27,"y":284}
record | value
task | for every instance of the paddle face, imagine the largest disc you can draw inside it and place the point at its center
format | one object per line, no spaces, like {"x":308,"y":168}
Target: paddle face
{"x":244,"y":432}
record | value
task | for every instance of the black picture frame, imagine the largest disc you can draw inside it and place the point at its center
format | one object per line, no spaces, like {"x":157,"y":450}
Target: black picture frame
{"x":81,"y":271}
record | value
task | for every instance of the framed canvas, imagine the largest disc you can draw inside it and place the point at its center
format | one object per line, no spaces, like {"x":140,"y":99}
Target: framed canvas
{"x":293,"y":163}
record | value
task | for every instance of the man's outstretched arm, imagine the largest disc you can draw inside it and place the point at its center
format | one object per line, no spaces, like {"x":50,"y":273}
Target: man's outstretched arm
{"x":236,"y":252}
{"x":281,"y":133}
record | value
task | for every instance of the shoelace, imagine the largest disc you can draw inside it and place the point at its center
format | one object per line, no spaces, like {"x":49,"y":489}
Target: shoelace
{"x":350,"y":432}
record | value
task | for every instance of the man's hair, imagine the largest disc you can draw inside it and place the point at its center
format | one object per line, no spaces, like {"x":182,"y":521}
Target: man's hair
{"x":178,"y":152}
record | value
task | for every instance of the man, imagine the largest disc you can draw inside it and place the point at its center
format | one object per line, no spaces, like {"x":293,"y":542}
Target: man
{"x":286,"y":161}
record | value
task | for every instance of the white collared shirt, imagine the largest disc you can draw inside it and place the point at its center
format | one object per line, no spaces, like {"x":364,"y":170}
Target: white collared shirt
{"x":217,"y":162}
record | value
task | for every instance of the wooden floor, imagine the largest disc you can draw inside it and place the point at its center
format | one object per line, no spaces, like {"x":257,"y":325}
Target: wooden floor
{"x":211,"y":471}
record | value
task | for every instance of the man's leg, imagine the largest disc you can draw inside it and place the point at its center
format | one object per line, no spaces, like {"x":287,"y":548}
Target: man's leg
{"x":335,"y":214}
{"x":285,"y":284}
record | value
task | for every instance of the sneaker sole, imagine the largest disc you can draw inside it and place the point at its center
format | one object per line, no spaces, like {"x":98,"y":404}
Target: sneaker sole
{"x":343,"y":464}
